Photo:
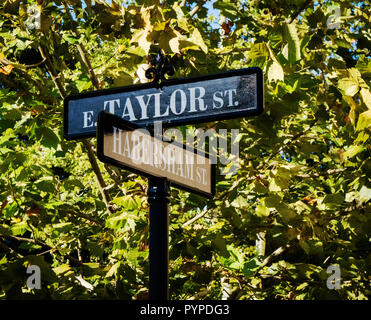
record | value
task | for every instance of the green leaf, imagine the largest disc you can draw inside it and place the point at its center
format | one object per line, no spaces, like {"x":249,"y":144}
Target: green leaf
{"x":262,"y":211}
{"x":114,"y":270}
{"x":335,"y":198}
{"x":140,"y":37}
{"x":70,"y":38}
{"x":250,"y":267}
{"x":63,"y":226}
{"x":11,"y":210}
{"x":19,"y":228}
{"x":291,"y":51}
{"x":72,"y":183}
{"x":62,"y":269}
{"x":128,"y":202}
{"x":272,"y":201}
{"x":48,"y":138}
{"x":227,"y":8}
{"x":45,"y":184}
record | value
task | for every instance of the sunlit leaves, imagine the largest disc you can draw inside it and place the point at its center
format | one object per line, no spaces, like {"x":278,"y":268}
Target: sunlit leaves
{"x":304,"y":163}
{"x":348,"y":86}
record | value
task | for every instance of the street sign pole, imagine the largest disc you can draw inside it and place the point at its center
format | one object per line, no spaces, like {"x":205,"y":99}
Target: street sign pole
{"x":228,"y":95}
{"x":158,"y":198}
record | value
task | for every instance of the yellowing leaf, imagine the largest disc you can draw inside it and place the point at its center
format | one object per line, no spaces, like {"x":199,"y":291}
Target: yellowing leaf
{"x":121,"y":48}
{"x":275,"y":72}
{"x":140,"y":36}
{"x":262,"y":211}
{"x":7,"y":69}
{"x":348,"y":86}
{"x":352,"y":151}
{"x":366,"y":97}
{"x":197,"y":39}
{"x":174,"y":44}
{"x":365,"y":194}
{"x":62,"y":269}
{"x":183,"y":24}
{"x":364,"y":120}
{"x":113,"y":270}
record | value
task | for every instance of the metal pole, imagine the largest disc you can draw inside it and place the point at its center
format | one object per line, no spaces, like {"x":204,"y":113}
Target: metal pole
{"x":158,"y":198}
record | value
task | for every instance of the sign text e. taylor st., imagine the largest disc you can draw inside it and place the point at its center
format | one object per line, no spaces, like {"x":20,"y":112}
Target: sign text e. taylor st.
{"x":233,"y":94}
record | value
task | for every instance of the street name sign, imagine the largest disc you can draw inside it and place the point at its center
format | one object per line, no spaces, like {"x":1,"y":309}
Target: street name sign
{"x":232,"y":94}
{"x":129,"y":146}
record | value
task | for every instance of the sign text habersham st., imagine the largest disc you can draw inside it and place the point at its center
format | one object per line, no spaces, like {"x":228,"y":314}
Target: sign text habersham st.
{"x":228,"y":95}
{"x":126,"y":145}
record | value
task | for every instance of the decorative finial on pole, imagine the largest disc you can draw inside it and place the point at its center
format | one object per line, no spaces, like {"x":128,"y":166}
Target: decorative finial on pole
{"x":160,"y":67}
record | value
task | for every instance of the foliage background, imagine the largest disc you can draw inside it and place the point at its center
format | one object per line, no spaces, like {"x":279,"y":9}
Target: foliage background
{"x":303,"y":187}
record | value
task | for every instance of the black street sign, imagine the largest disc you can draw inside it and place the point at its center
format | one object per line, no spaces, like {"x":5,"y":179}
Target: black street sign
{"x":129,"y":146}
{"x":222,"y":96}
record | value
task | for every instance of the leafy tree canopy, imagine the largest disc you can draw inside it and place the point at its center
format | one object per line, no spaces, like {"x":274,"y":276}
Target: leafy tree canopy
{"x":302,"y":191}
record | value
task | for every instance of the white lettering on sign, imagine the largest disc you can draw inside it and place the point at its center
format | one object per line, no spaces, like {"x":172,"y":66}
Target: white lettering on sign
{"x":128,"y":110}
{"x":180,"y":102}
{"x":200,"y":99}
{"x":183,"y":102}
{"x":138,"y":149}
{"x":111,"y":105}
{"x":218,"y":100}
{"x":88,"y":119}
{"x":230,"y":97}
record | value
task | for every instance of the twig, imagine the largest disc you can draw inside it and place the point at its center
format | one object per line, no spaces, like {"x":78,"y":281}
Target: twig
{"x":83,"y":53}
{"x":52,"y":72}
{"x":10,"y":250}
{"x":196,"y":8}
{"x":80,"y":215}
{"x":325,"y":173}
{"x":101,"y":184}
{"x":199,"y":216}
{"x":294,"y":138}
{"x":20,"y":66}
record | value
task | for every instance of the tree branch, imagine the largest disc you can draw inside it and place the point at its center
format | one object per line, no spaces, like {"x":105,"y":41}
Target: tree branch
{"x":273,"y":255}
{"x":302,"y":8}
{"x":10,"y":250}
{"x":199,"y":216}
{"x":86,"y":143}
